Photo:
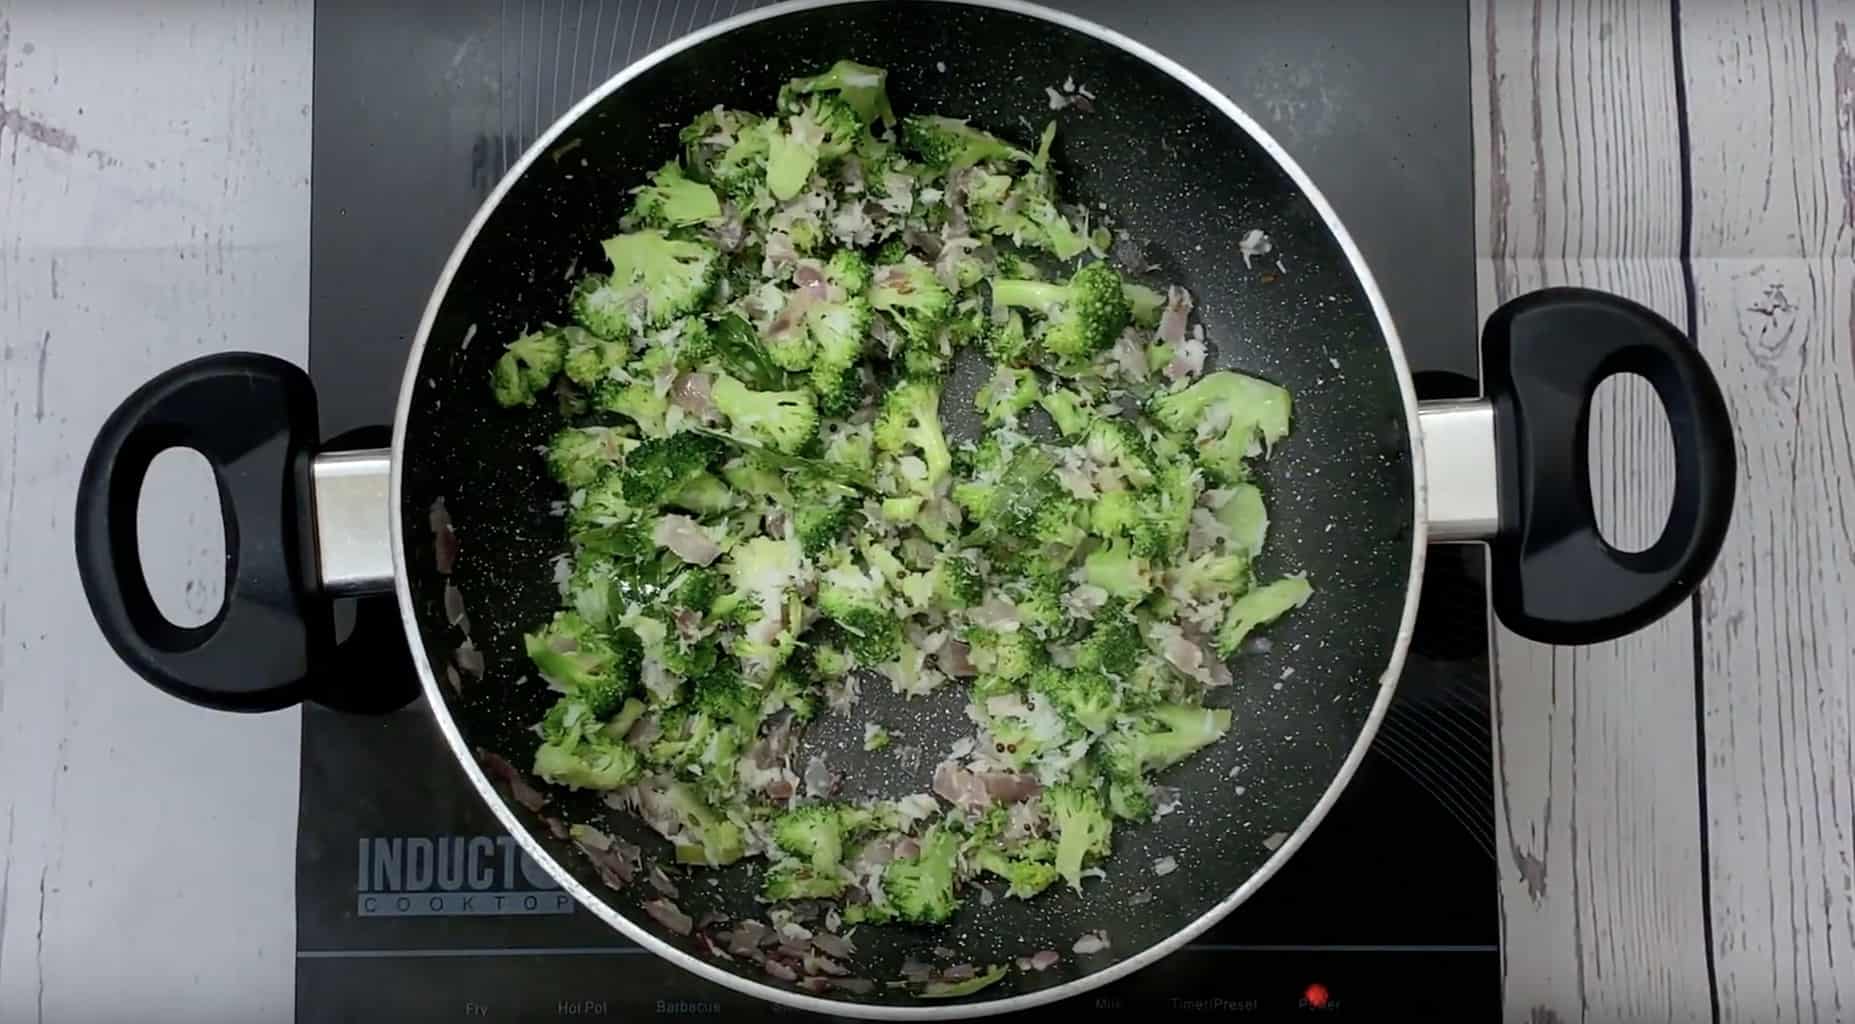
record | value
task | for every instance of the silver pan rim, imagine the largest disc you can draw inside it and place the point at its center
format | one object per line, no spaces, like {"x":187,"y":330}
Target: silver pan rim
{"x":466,"y":757}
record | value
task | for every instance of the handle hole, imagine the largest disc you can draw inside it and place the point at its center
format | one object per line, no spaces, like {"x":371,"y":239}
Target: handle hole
{"x":180,"y":529}
{"x":1632,"y":458}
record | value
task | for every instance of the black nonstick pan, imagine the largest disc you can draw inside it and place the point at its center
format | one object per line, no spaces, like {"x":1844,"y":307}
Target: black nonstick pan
{"x":1366,"y":481}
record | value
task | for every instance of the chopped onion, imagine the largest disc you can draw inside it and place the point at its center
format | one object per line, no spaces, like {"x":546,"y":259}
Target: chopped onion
{"x":1165,"y":866}
{"x":1091,"y":942}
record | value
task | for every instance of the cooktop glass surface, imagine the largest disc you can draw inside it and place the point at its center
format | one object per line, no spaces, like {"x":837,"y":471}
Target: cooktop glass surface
{"x":412,"y":905}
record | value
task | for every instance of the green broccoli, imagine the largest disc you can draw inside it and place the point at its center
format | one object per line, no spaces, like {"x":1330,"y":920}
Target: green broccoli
{"x":710,"y":136}
{"x":794,"y":881}
{"x":914,"y":298}
{"x":1026,"y":876}
{"x":850,"y":448}
{"x":1069,"y":411}
{"x":1085,"y":698}
{"x":920,"y":888}
{"x":596,"y":667}
{"x":1254,"y":414}
{"x":819,"y":832}
{"x":1007,"y":654}
{"x":717,"y":841}
{"x":1260,"y":607}
{"x":1006,"y":342}
{"x":1113,"y":645}
{"x":590,"y":358}
{"x":673,"y":201}
{"x":863,"y":87}
{"x":1082,"y":828}
{"x":578,"y":455}
{"x":655,"y":279}
{"x":1025,"y":211}
{"x":956,"y":582}
{"x":1114,"y":567}
{"x":1165,"y":521}
{"x":1146,"y":305}
{"x":895,"y":250}
{"x":947,"y":144}
{"x":792,"y":688}
{"x":1163,"y":735}
{"x":526,"y":367}
{"x":782,"y":420}
{"x":1114,"y":513}
{"x":587,"y":762}
{"x":1083,"y":317}
{"x":633,"y":395}
{"x":821,"y":511}
{"x":1245,"y":517}
{"x":909,"y":422}
{"x":1008,"y":393}
{"x":857,"y":601}
{"x":837,"y":331}
{"x":1211,"y":575}
{"x":658,"y":469}
{"x":820,"y":128}
{"x":1114,"y":442}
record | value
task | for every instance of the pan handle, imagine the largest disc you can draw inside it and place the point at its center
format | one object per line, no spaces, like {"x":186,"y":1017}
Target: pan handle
{"x":271,"y":643}
{"x":1554,"y":577}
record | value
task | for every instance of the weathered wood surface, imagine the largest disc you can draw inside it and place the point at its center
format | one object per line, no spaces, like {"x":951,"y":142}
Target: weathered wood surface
{"x":1643,"y":879}
{"x":1771,"y":90}
{"x":154,"y":202}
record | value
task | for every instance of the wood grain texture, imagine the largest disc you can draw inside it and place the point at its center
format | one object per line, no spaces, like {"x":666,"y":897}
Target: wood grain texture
{"x":1578,"y":182}
{"x":154,"y":165}
{"x":1772,"y":88}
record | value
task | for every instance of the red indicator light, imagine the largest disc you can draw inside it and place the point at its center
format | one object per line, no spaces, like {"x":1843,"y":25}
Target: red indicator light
{"x":1316,"y":995}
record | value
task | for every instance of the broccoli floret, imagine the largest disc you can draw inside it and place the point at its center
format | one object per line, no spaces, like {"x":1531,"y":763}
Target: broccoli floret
{"x":818,"y":833}
{"x":1039,"y":600}
{"x":895,"y":250}
{"x":655,"y":279}
{"x":634,"y":398}
{"x":659,"y":468}
{"x":910,"y":293}
{"x":1005,"y":654}
{"x":1115,"y":568}
{"x":1025,"y":211}
{"x":1008,"y":393}
{"x":782,"y":420}
{"x":601,"y":587}
{"x":1115,"y":513}
{"x":1026,"y":876}
{"x":703,"y":494}
{"x":1086,"y":698}
{"x":858,"y":602}
{"x":1161,"y":735}
{"x":1006,"y":342}
{"x":1260,"y":607}
{"x":1146,"y":304}
{"x":740,"y":170}
{"x":946,"y":144}
{"x":837,"y":331}
{"x":587,"y":762}
{"x":1245,"y":517}
{"x":819,"y":129}
{"x":863,"y":87}
{"x":795,"y":881}
{"x":820,"y":513}
{"x":673,"y":201}
{"x":1254,"y":412}
{"x":1116,"y":443}
{"x":1083,"y":317}
{"x":707,"y":138}
{"x":590,"y":358}
{"x":598,"y":668}
{"x":1082,"y":828}
{"x":717,"y":840}
{"x":793,"y":690}
{"x":1113,"y":645}
{"x":1165,"y":520}
{"x":1211,"y":575}
{"x":956,"y":582}
{"x":909,"y":422}
{"x":1069,"y":411}
{"x":851,"y":449}
{"x":527,"y":366}
{"x":920,"y":888}
{"x":579,"y":455}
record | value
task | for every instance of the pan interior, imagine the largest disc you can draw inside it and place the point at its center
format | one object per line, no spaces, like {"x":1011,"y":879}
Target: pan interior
{"x":1183,"y":184}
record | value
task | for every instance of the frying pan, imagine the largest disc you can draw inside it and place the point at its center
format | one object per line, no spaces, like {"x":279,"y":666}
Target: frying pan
{"x":1368,"y":478}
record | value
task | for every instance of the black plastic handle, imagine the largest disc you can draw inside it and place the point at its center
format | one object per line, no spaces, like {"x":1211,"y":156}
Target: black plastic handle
{"x":253,"y":418}
{"x":1555,"y":578}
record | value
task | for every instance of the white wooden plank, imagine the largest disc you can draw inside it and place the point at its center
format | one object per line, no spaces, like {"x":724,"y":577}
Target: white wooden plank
{"x":154,"y":201}
{"x":1772,"y":90}
{"x":1578,"y":182}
